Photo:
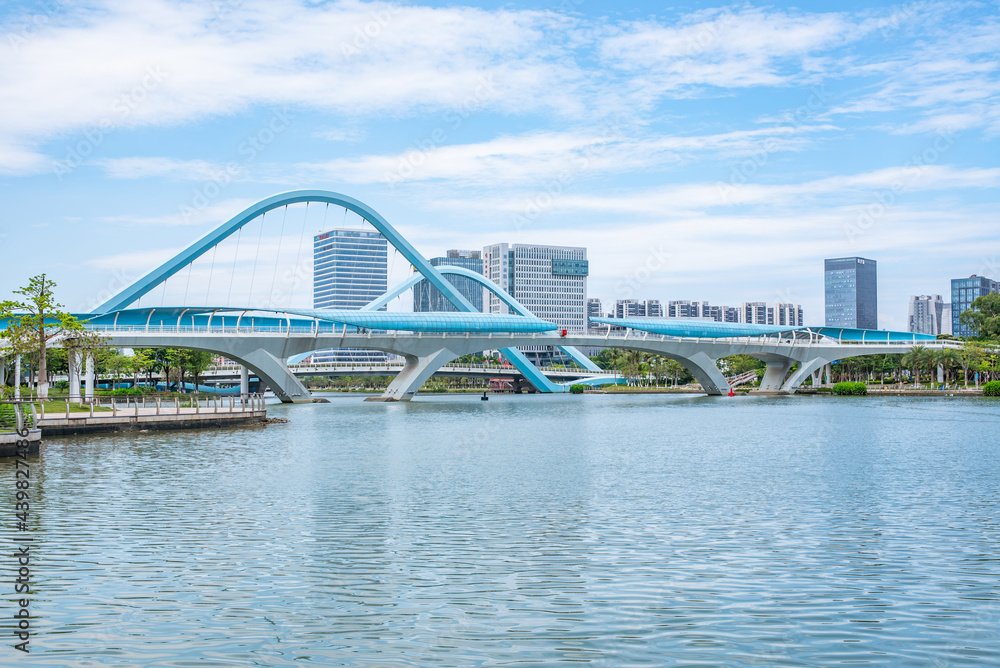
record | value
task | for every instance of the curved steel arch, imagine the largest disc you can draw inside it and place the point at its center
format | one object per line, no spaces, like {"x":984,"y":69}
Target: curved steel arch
{"x":458,"y":271}
{"x":582,"y":360}
{"x":198,"y":248}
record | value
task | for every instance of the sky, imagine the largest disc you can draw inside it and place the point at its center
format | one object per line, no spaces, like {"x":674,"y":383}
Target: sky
{"x":699,"y":151}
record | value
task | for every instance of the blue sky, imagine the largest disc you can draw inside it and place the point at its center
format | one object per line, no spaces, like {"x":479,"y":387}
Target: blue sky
{"x":699,"y":151}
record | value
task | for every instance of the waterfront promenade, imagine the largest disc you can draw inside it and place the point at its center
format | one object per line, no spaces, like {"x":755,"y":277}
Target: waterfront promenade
{"x":140,"y":414}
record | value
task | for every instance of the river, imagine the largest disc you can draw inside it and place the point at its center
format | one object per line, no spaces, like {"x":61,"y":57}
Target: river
{"x":604,"y":530}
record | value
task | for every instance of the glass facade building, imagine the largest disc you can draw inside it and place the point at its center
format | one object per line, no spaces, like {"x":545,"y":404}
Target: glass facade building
{"x":851,"y":293}
{"x":349,"y":270}
{"x":964,"y":291}
{"x":427,"y":298}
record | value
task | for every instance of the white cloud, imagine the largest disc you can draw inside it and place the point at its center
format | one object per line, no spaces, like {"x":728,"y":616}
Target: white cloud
{"x":155,"y":63}
{"x":749,"y":47}
{"x":138,"y":168}
{"x":532,"y":157}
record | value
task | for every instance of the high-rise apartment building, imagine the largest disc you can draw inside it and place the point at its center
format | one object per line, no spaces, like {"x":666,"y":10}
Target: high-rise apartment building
{"x":754,"y":313}
{"x":653,"y":307}
{"x":428,"y":298}
{"x":594,"y":310}
{"x":630,"y":308}
{"x":851,"y":292}
{"x":349,"y":271}
{"x":926,"y":315}
{"x":682,"y":308}
{"x":964,"y":291}
{"x":787,"y":314}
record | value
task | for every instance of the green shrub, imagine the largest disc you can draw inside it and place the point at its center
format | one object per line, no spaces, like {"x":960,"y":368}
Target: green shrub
{"x":992,"y":388}
{"x":850,"y":389}
{"x":577,"y":389}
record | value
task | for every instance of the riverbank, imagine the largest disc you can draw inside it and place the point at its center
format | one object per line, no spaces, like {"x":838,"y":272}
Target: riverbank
{"x":147,"y":420}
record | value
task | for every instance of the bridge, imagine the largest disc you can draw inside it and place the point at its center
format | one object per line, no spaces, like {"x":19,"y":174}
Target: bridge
{"x":262,"y":338}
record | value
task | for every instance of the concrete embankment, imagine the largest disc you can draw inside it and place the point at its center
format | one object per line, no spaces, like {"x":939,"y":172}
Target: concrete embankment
{"x":8,"y":442}
{"x":146,"y":419}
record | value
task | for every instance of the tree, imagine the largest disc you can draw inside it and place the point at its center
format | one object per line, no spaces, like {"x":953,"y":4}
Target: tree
{"x":984,"y":317}
{"x":675,"y":369}
{"x":80,"y":345}
{"x":197,"y":361}
{"x":947,"y":359}
{"x":35,"y":321}
{"x":968,"y":358}
{"x":917,"y":360}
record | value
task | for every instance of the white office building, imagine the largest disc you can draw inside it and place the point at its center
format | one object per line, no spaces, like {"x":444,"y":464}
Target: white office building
{"x":550,"y":281}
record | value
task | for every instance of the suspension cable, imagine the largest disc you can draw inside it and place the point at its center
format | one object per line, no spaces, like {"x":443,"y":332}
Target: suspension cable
{"x":277,"y":257}
{"x":236,"y":258}
{"x":188,"y":284}
{"x":208,"y":292}
{"x":253,"y":275}
{"x":298,"y":253}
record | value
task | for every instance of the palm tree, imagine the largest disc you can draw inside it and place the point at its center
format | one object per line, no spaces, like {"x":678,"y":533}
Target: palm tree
{"x":916,"y":359}
{"x":948,"y":360}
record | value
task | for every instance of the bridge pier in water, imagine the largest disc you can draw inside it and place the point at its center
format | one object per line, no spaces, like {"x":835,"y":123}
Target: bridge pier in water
{"x":414,"y":374}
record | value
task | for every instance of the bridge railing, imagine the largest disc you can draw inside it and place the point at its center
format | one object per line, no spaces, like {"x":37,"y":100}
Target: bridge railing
{"x":17,"y":416}
{"x":550,"y":338}
{"x":183,"y":404}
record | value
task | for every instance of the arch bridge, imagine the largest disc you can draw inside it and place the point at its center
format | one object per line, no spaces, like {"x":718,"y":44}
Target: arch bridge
{"x":262,"y":340}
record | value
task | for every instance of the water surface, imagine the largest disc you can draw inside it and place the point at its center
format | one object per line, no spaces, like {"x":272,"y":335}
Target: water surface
{"x":527,"y":530}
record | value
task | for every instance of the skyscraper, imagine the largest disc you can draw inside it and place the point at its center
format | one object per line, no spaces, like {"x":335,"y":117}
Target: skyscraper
{"x":349,"y":270}
{"x":926,"y":315}
{"x":550,"y":281}
{"x":851,"y":293}
{"x":964,"y":291}
{"x":428,"y":298}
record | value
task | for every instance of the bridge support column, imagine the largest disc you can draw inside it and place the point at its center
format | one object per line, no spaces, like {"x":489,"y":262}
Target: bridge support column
{"x":415,"y":373}
{"x":705,"y":370}
{"x":88,"y":375}
{"x":814,"y":367}
{"x":273,"y":371}
{"x":244,"y":382}
{"x":774,"y":375}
